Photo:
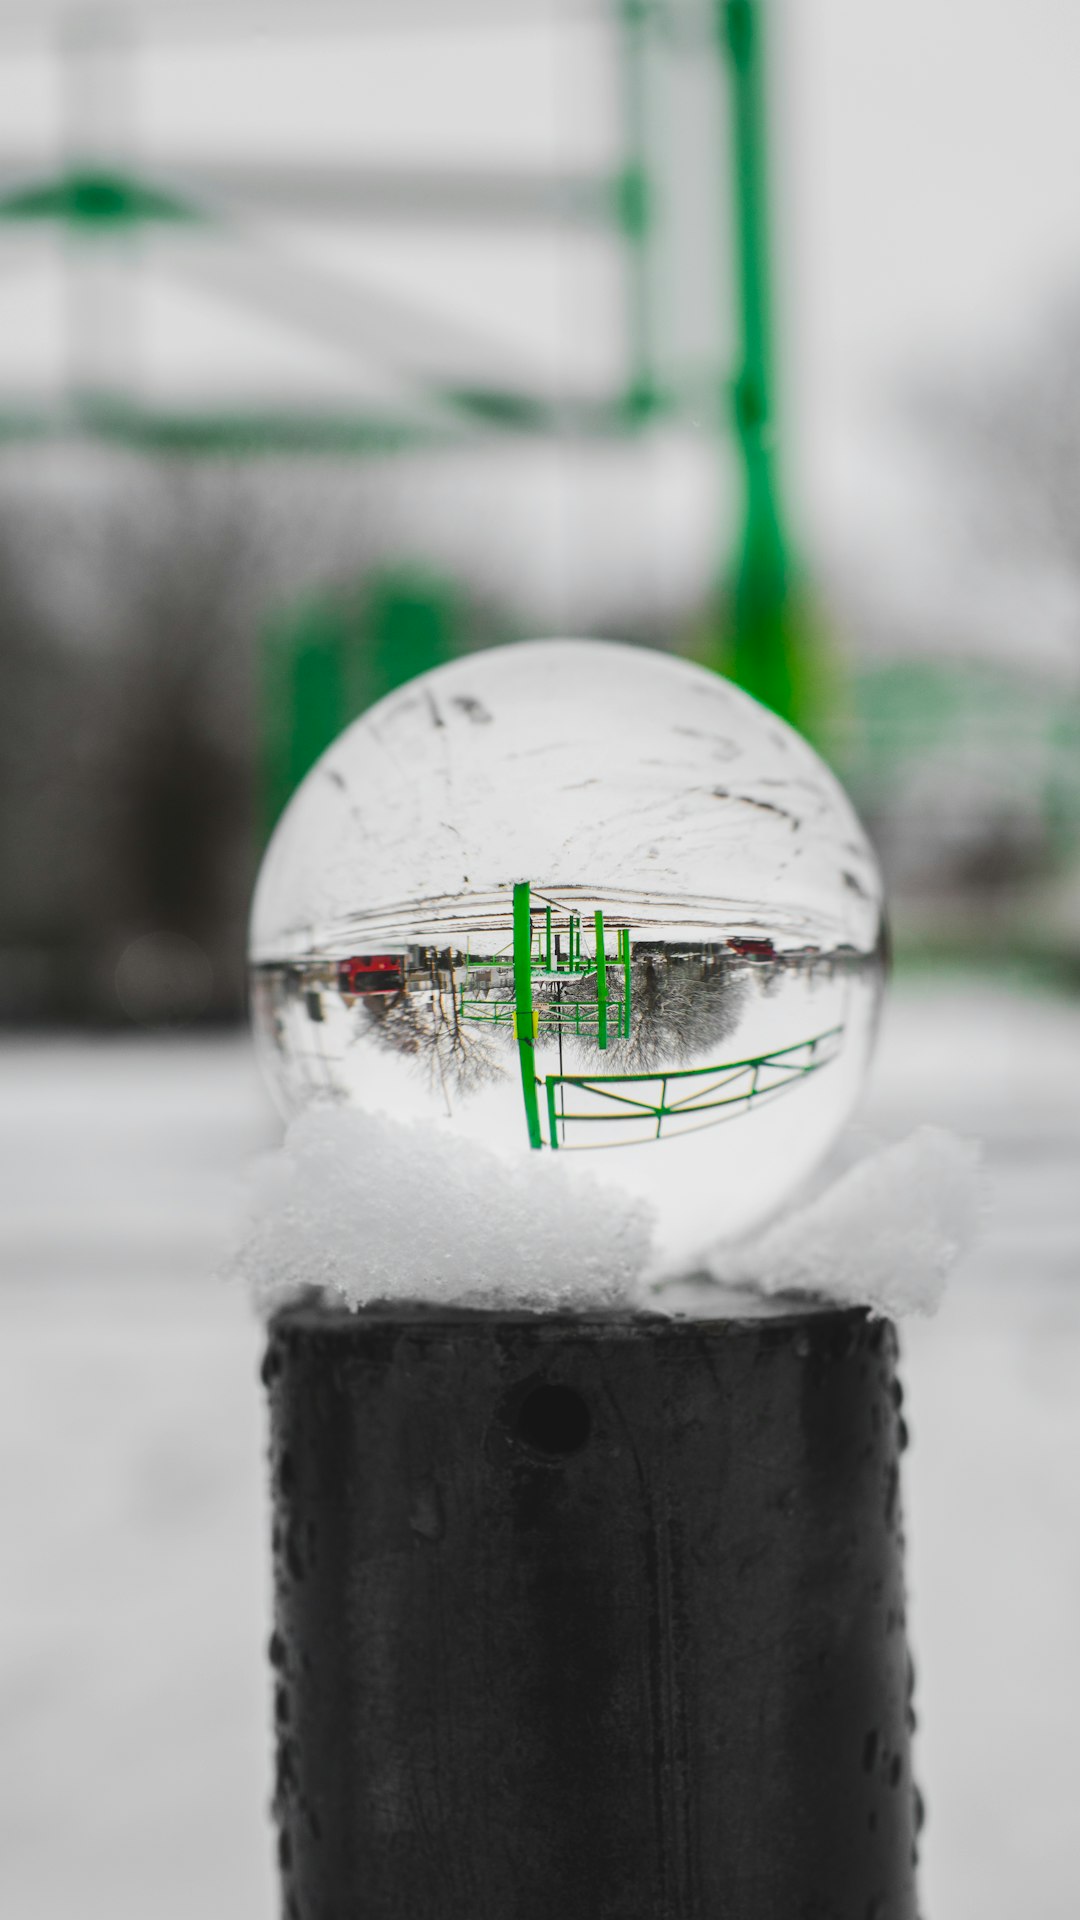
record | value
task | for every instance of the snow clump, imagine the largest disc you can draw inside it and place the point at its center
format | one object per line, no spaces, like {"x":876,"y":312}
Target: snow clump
{"x":366,"y":1209}
{"x":885,"y":1234}
{"x":372,"y":1209}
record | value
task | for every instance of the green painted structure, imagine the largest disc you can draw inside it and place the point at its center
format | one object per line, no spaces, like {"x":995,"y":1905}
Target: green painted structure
{"x":545,"y":958}
{"x":700,"y":1096}
{"x":758,"y":631}
{"x":766,"y":644}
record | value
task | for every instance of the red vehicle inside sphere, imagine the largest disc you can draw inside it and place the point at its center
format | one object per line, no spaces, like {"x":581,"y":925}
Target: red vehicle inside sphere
{"x":371,"y":973}
{"x":752,"y":949}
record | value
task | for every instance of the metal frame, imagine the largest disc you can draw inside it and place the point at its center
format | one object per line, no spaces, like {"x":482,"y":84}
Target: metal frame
{"x":761,"y":639}
{"x":666,"y":1100}
{"x":103,"y":202}
{"x":708,"y":1090}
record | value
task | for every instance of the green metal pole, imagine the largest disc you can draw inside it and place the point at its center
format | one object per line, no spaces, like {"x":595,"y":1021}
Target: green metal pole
{"x":634,"y":210}
{"x":524,"y":1022}
{"x":761,"y":654}
{"x":624,"y":939}
{"x":601,"y":984}
{"x":553,"y":1117}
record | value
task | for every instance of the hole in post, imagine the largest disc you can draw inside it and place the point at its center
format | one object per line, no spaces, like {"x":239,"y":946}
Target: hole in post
{"x":554,"y":1421}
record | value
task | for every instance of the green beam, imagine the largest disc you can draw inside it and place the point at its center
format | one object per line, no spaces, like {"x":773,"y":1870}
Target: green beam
{"x":524,"y":1020}
{"x":553,"y":1117}
{"x":262,"y":434}
{"x":601,"y":984}
{"x":91,"y":197}
{"x":491,"y":198}
{"x":485,"y":198}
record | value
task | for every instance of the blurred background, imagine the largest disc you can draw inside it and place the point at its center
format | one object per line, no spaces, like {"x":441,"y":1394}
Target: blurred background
{"x":338,"y":340}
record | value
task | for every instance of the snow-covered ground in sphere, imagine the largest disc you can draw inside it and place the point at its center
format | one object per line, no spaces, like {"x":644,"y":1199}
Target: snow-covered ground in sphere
{"x":135,"y":1736}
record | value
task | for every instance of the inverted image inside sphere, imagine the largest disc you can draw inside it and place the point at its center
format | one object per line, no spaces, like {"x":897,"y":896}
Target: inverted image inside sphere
{"x":579,"y":898}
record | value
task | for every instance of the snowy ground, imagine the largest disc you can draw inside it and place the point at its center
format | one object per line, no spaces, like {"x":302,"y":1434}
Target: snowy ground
{"x":133,"y":1701}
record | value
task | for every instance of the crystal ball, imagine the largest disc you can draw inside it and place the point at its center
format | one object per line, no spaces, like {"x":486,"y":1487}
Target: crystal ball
{"x":586,"y":900}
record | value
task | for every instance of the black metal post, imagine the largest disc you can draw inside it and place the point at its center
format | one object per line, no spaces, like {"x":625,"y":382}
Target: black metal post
{"x":589,"y":1619}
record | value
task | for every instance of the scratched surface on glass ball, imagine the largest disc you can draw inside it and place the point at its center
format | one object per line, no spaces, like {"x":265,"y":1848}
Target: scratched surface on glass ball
{"x":571,"y":897}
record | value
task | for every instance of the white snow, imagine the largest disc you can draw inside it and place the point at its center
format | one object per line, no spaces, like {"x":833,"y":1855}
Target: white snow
{"x":886,"y":1233}
{"x":364,"y":1208}
{"x":135,"y":1756}
{"x":368,"y":1208}
{"x":121,"y":1157}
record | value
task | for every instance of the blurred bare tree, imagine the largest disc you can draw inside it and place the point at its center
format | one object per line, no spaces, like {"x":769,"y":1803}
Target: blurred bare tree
{"x":127,"y":615}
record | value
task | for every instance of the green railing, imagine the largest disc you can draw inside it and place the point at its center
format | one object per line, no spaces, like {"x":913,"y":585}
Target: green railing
{"x":649,"y":1100}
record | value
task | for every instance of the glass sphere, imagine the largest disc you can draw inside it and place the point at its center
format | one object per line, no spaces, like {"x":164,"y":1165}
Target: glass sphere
{"x":580,"y":899}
